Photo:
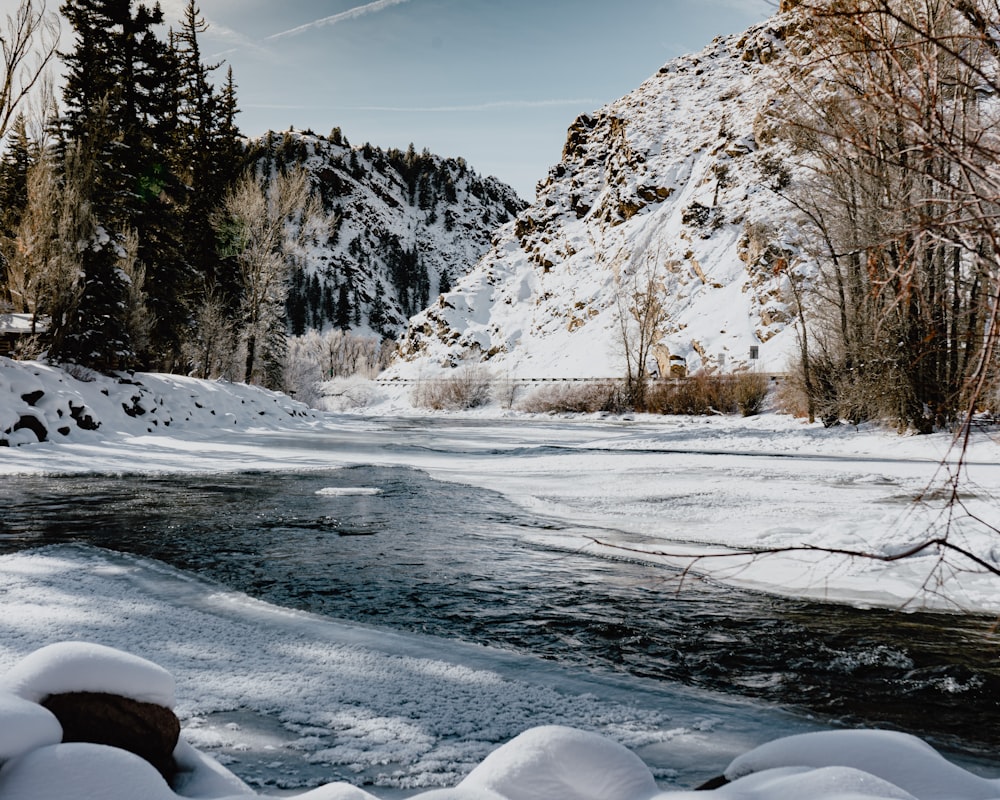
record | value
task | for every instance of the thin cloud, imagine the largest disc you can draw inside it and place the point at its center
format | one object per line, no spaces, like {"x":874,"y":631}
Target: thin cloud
{"x":493,"y":106}
{"x":223,"y":39}
{"x":343,"y":16}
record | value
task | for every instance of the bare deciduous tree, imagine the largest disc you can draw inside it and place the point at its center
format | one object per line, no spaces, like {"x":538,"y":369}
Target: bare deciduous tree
{"x":211,"y":344}
{"x":642,"y":318}
{"x":45,"y":270}
{"x":265,"y":227}
{"x":139,"y":320}
{"x":28,"y":42}
{"x":890,"y":111}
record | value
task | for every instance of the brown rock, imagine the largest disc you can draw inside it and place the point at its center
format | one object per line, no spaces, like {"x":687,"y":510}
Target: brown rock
{"x":146,"y":729}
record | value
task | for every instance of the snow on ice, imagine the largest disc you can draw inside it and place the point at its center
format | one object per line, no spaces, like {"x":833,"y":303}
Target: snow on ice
{"x":541,"y":763}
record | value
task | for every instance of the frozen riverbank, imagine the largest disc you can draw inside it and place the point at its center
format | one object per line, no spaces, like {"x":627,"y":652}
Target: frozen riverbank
{"x":292,"y":701}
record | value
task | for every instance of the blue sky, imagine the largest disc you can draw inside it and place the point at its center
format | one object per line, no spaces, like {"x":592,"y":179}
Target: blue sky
{"x":495,"y":81}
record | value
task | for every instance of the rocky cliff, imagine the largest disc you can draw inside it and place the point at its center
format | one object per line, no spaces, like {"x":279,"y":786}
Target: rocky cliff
{"x":678,"y":183}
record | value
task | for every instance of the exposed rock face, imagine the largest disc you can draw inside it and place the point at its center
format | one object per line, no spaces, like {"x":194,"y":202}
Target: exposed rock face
{"x":146,"y":729}
{"x":673,"y":175}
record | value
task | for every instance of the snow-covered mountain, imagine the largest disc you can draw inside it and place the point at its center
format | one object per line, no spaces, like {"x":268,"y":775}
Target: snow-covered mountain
{"x":675,"y":178}
{"x":398,"y":228}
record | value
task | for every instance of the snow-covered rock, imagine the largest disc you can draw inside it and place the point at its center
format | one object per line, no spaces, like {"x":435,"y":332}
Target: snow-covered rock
{"x":26,"y":726}
{"x":44,"y":403}
{"x":84,"y":667}
{"x":554,"y":761}
{"x":904,"y":761}
{"x":82,"y":771}
{"x":675,"y":177}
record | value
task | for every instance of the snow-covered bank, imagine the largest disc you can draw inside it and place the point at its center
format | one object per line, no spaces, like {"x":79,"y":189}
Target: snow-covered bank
{"x":297,"y":701}
{"x":42,"y":403}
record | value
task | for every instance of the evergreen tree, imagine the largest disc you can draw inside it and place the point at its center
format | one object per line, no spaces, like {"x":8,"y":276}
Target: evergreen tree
{"x":376,"y":312}
{"x":164,"y":145}
{"x":193,"y":153}
{"x":14,"y":166}
{"x":88,"y":298}
{"x":314,"y":297}
{"x":118,"y":99}
{"x":296,"y":305}
{"x":342,"y":317}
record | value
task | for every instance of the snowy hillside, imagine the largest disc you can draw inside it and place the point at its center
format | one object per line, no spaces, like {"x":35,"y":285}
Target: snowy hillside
{"x":673,"y":178}
{"x":397,"y":228}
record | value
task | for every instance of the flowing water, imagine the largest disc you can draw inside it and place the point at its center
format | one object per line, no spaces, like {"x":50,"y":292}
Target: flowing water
{"x":439,"y":558}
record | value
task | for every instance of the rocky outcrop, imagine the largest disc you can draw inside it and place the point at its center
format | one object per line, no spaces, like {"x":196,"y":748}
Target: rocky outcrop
{"x":668,"y":178}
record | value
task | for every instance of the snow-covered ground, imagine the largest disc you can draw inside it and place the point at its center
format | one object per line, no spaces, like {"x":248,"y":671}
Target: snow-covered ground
{"x":308,"y":697}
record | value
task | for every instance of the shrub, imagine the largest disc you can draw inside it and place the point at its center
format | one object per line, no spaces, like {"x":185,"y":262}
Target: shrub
{"x":345,"y":394}
{"x":705,"y":393}
{"x":470,"y":387}
{"x":791,"y":397}
{"x":577,"y":398}
{"x":750,"y":390}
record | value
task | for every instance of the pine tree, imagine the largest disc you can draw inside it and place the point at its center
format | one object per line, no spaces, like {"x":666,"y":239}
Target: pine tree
{"x":314,"y":296}
{"x":164,"y":145}
{"x":86,"y":297}
{"x":119,"y":101}
{"x":193,"y":150}
{"x":376,"y":312}
{"x":342,"y":318}
{"x":14,"y":166}
{"x":296,"y":304}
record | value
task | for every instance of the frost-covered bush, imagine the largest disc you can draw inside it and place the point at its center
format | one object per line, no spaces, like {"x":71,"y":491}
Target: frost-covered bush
{"x":317,"y":357}
{"x":577,"y":398}
{"x":345,"y":394}
{"x":470,"y":386}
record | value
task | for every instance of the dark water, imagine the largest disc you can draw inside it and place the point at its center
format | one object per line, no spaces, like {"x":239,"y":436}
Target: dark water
{"x":448,"y":560}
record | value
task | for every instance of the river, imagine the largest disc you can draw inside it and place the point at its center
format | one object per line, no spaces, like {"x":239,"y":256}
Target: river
{"x":395,"y":547}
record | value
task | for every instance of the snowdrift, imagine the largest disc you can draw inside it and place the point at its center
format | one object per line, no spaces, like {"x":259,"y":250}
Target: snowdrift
{"x":43,"y":403}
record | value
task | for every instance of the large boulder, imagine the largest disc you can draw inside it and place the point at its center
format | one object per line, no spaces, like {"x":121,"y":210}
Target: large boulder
{"x":150,"y":731}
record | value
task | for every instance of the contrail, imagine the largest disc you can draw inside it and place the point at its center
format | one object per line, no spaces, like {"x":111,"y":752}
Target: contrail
{"x":343,"y":16}
{"x":489,"y":106}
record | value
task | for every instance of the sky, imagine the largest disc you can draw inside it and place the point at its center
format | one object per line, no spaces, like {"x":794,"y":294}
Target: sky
{"x":496,"y":82}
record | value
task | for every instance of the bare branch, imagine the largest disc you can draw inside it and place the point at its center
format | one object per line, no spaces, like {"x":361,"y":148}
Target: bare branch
{"x":28,"y":43}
